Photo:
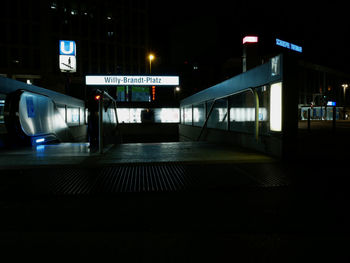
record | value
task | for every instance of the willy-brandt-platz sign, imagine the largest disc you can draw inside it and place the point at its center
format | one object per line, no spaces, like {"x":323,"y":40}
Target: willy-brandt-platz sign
{"x":132,"y":80}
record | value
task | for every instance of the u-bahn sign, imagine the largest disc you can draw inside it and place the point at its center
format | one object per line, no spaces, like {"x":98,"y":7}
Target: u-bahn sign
{"x":113,"y":80}
{"x":68,"y":52}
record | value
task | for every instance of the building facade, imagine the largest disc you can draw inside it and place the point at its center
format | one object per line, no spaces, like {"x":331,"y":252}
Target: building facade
{"x":111,"y":37}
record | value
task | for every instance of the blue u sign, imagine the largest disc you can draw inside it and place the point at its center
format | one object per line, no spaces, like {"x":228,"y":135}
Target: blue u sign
{"x":67,"y":47}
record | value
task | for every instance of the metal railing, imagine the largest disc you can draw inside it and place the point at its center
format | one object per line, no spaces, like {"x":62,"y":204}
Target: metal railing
{"x":256,"y":102}
{"x":104,"y":96}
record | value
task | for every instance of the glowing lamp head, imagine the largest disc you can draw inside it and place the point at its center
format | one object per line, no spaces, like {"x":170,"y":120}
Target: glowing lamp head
{"x":250,"y":39}
{"x":97,"y":97}
{"x":151,"y":57}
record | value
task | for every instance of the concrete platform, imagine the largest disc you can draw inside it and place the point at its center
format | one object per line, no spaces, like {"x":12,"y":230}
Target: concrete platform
{"x":79,"y":154}
{"x":226,"y":203}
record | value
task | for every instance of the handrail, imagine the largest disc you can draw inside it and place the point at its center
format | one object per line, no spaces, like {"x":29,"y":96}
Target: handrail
{"x":256,"y":97}
{"x":100,"y":125}
{"x":100,"y":119}
{"x":206,"y":121}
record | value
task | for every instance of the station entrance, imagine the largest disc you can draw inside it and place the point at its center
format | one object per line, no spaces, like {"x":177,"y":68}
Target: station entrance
{"x":145,"y":107}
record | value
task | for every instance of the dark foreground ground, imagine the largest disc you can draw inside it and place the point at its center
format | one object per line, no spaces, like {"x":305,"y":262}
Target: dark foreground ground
{"x":237,"y":210}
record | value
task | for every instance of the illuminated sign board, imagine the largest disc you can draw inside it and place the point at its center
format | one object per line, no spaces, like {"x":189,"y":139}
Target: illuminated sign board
{"x":331,"y":103}
{"x":132,"y":80}
{"x":68,"y":48}
{"x":250,"y":39}
{"x":68,"y":52}
{"x":288,"y":45}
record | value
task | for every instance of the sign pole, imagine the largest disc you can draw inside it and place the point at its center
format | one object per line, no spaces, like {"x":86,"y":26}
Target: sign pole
{"x":100,"y":125}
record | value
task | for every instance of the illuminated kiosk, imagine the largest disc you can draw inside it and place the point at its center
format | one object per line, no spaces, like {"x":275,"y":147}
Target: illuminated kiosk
{"x":257,"y":109}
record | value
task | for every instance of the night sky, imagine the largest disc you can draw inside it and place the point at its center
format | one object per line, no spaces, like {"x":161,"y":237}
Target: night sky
{"x":210,"y":32}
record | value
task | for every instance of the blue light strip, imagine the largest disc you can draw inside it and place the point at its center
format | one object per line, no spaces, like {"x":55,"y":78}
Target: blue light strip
{"x":288,"y":45}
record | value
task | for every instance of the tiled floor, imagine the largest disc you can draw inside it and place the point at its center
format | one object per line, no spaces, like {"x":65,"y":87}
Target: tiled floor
{"x":79,"y":153}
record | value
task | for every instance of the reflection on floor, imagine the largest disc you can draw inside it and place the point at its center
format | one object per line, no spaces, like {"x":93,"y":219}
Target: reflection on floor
{"x":78,"y":153}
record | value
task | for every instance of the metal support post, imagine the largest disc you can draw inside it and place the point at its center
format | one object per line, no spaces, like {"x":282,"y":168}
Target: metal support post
{"x":308,"y":120}
{"x":256,"y":115}
{"x":100,"y":125}
{"x":334,"y":118}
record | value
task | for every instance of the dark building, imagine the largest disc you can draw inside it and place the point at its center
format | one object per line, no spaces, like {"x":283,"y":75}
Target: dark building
{"x":319,"y":84}
{"x":111,"y":37}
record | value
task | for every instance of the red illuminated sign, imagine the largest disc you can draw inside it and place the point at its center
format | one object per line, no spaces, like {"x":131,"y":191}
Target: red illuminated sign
{"x":250,"y":39}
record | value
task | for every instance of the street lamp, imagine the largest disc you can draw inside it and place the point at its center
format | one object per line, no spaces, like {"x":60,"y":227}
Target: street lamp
{"x":151,"y":57}
{"x":176,"y":92}
{"x":345,"y":86}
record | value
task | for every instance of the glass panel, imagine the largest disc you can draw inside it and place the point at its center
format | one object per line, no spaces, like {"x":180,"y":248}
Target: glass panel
{"x":72,"y":116}
{"x":199,"y":115}
{"x":188,"y":115}
{"x":81,"y":117}
{"x":263,"y":93}
{"x":123,"y":115}
{"x":135,"y":115}
{"x":218,"y":116}
{"x":109,"y":116}
{"x":182,"y":115}
{"x":167,"y":115}
{"x":62,"y":110}
{"x":209,"y":104}
{"x":242,"y":112}
{"x":158,"y":115}
{"x":86,"y":115}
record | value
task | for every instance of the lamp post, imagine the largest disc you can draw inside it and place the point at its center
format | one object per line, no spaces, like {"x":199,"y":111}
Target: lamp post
{"x":176,"y":92}
{"x":151,"y":57}
{"x":345,"y":86}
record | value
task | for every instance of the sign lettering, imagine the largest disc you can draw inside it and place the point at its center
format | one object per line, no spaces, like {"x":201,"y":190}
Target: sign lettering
{"x":288,"y":45}
{"x":133,"y":80}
